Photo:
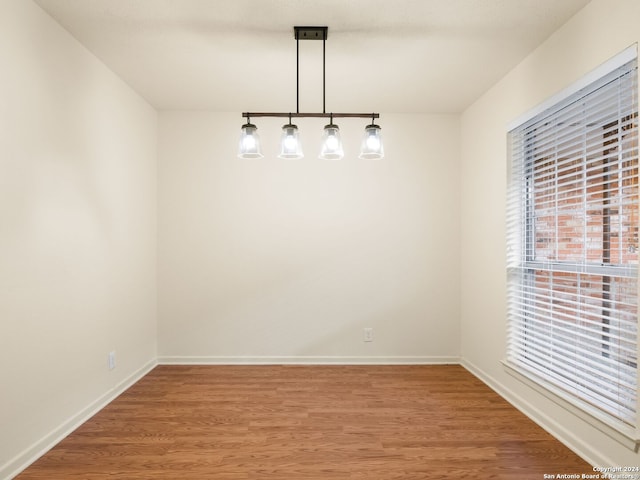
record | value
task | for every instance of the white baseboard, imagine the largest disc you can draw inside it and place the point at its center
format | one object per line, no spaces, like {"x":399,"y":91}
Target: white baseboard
{"x":587,"y":452}
{"x":21,"y":461}
{"x":305,"y":360}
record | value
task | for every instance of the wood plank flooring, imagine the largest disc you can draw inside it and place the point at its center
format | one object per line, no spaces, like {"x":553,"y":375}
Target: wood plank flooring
{"x":307,"y":422}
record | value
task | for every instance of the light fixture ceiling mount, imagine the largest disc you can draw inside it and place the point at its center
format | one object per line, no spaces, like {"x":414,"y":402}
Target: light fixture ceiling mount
{"x":249,"y":146}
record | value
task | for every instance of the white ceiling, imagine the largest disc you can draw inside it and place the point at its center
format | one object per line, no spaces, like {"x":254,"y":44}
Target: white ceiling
{"x":382,"y":55}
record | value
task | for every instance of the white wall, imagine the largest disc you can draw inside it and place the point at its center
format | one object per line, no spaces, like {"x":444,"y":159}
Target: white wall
{"x":598,"y":32}
{"x":77,"y":232}
{"x":284,"y":260}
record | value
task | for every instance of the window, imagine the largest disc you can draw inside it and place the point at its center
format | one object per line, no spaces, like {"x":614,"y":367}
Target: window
{"x":572,"y":217}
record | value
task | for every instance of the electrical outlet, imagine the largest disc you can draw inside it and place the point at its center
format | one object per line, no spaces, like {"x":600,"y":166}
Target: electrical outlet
{"x":111,"y":360}
{"x":368,"y":335}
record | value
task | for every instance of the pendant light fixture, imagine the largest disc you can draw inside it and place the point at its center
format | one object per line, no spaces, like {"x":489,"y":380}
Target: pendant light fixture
{"x":290,"y":146}
{"x":372,"y":148}
{"x":249,"y":146}
{"x":331,"y":143}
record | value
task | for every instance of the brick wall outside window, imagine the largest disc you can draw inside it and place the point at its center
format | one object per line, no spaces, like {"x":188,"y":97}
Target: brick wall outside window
{"x":587,"y":212}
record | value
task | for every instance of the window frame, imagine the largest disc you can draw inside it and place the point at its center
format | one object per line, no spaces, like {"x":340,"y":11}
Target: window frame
{"x":626,"y":434}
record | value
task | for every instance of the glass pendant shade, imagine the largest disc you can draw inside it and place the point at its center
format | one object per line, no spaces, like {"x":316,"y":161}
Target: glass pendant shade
{"x":290,"y":146}
{"x":372,"y":148}
{"x":331,"y":143}
{"x":249,"y":146}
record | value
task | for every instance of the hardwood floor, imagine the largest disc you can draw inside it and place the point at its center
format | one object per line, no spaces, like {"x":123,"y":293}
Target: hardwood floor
{"x":307,"y":422}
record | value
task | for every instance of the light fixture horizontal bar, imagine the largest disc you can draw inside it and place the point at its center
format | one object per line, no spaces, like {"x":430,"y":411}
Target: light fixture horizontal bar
{"x":310,"y":115}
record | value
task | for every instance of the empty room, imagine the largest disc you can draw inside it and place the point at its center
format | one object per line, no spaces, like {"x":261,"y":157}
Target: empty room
{"x":280,"y":239}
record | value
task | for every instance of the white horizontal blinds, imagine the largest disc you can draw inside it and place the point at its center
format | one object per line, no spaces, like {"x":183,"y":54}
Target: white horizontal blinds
{"x":573,"y":245}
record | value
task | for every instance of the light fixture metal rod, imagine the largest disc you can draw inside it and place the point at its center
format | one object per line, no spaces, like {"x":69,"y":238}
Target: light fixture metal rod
{"x":297,"y":74}
{"x":324,"y":76}
{"x":310,"y":115}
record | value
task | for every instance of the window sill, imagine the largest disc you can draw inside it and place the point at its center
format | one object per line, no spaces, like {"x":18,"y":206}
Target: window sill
{"x":627,"y":436}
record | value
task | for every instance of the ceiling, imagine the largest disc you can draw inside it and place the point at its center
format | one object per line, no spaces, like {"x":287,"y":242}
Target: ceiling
{"x":381,"y":55}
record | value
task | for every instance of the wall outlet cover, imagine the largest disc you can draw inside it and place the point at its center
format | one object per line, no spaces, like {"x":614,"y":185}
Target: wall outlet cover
{"x":111,"y":360}
{"x":368,"y":335}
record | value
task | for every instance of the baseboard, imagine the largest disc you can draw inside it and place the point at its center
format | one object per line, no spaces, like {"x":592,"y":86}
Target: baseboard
{"x":305,"y":360}
{"x":569,"y":439}
{"x":21,"y":461}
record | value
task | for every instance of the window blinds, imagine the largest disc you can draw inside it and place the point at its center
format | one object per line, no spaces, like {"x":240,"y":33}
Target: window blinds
{"x":572,"y":222}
